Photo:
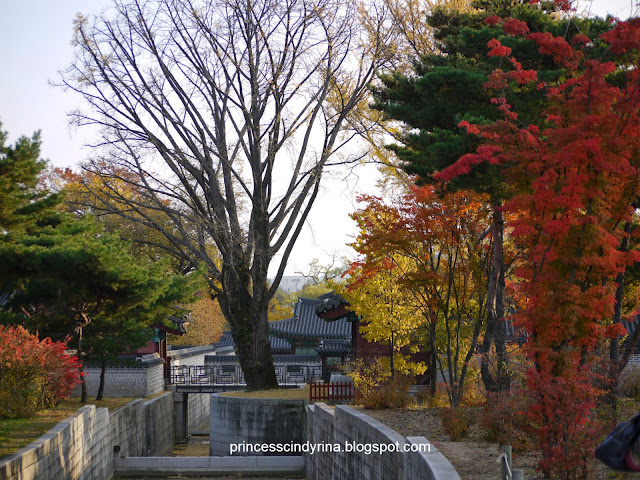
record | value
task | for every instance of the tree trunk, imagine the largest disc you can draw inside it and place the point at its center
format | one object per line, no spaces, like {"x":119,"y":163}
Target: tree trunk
{"x":494,"y":373}
{"x":250,"y":331}
{"x":391,"y":354}
{"x":83,"y":382}
{"x":433,"y":362}
{"x":254,"y":353}
{"x":103,"y":370}
{"x":616,"y":365}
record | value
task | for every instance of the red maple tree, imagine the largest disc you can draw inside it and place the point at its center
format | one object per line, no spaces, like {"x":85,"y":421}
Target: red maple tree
{"x":577,"y":178}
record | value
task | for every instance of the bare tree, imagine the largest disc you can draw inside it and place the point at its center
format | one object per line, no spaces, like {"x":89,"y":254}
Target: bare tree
{"x":227,"y":112}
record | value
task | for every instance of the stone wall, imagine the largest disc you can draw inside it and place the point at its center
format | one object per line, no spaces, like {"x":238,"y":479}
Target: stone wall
{"x":84,"y":446}
{"x":344,"y":427}
{"x":199,"y":407}
{"x":190,"y":355}
{"x":254,"y":420}
{"x":142,"y":379}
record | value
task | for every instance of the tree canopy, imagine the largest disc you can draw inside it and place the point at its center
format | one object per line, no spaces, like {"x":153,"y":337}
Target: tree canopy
{"x":227,"y":115}
{"x":68,"y":275}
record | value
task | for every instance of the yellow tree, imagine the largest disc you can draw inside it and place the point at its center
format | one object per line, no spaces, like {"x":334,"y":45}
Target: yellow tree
{"x":376,"y":294}
{"x":96,"y":193}
{"x":207,"y":324}
{"x":437,"y":248}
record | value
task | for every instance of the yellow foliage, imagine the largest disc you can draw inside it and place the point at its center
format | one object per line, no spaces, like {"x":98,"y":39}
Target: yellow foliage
{"x":207,"y":324}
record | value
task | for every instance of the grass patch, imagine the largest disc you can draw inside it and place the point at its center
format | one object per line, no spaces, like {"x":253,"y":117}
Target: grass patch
{"x":16,"y":433}
{"x":283,"y":393}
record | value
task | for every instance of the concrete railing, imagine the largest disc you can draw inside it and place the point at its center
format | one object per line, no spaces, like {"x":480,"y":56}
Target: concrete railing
{"x":347,"y":434}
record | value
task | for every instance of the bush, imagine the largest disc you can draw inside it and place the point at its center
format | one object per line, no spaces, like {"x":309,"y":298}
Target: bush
{"x":629,"y":383}
{"x":34,"y":374}
{"x":366,"y":376}
{"x":394,"y":394}
{"x":455,"y":423}
{"x":503,"y":420}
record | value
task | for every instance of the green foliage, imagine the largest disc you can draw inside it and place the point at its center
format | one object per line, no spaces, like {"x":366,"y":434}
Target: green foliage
{"x":22,"y":205}
{"x":34,"y":374}
{"x":444,"y":90}
{"x":74,"y":274}
{"x":69,"y":275}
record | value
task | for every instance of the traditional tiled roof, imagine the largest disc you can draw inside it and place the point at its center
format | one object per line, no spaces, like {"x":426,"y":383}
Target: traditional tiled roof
{"x":333,"y":346}
{"x":278,"y":345}
{"x":290,"y":359}
{"x":330,"y":300}
{"x":307,"y":324}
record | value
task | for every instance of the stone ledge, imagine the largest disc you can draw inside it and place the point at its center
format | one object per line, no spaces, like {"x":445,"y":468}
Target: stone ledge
{"x":209,"y":465}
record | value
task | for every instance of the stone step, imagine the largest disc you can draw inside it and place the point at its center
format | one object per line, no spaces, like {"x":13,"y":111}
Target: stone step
{"x":212,"y":466}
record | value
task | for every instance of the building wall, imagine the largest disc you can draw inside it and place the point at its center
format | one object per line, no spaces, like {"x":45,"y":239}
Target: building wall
{"x":145,"y":378}
{"x":293,"y":283}
{"x":199,"y":407}
{"x":345,"y":425}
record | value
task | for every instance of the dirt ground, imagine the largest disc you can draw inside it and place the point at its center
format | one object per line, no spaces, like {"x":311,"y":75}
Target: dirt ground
{"x":473,"y":458}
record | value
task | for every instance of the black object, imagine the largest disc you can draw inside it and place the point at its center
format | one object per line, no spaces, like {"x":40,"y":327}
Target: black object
{"x":613,"y":451}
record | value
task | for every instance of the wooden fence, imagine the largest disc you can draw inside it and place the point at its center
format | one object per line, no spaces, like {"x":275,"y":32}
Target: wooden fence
{"x":331,"y":392}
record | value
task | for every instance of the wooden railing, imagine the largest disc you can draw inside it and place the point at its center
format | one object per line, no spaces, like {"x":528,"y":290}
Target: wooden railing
{"x":331,"y":392}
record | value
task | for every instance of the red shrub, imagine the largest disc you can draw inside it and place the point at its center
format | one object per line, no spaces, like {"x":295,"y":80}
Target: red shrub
{"x":34,"y":374}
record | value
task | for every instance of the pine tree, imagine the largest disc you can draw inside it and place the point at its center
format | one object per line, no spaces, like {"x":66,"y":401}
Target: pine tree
{"x":22,"y":204}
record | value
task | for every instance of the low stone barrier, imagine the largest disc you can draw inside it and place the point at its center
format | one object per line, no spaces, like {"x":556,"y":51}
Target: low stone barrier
{"x":86,"y":445}
{"x":255,"y":421}
{"x":190,"y":355}
{"x":342,"y":438}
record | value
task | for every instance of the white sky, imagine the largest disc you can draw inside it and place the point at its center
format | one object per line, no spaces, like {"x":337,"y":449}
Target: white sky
{"x":35,"y":44}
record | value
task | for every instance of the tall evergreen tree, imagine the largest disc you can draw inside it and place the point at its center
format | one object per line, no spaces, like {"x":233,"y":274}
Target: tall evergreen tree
{"x":447,"y":89}
{"x":22,"y":204}
{"x":68,"y":275}
{"x":74,"y":278}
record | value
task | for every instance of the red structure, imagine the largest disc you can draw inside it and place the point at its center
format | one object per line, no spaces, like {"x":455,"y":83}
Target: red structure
{"x":158,"y":342}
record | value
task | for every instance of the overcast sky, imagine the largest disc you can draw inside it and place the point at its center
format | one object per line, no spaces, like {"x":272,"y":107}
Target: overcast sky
{"x":35,"y":40}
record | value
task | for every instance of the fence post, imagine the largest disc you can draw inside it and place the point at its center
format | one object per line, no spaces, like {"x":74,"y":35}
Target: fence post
{"x":506,"y":463}
{"x":517,"y":475}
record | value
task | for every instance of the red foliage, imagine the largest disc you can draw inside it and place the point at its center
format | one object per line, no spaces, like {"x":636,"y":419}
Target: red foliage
{"x":497,"y":49}
{"x":34,"y":374}
{"x":575,"y":178}
{"x":514,"y":27}
{"x":625,"y":37}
